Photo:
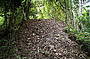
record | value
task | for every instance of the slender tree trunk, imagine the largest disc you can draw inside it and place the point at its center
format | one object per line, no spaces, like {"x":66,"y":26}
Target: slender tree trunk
{"x":26,"y":7}
{"x":80,"y":7}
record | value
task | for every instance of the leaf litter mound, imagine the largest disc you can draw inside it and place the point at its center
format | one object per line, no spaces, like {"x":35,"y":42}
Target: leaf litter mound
{"x":45,"y":39}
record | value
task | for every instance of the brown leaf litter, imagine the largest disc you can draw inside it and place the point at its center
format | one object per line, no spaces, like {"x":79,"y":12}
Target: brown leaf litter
{"x":45,"y":39}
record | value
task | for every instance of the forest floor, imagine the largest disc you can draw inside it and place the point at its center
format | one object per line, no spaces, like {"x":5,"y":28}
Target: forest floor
{"x":44,"y":39}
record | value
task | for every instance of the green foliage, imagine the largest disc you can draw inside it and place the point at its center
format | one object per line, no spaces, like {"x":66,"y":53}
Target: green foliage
{"x":86,"y":28}
{"x":47,"y":9}
{"x":82,"y":33}
{"x":1,"y":20}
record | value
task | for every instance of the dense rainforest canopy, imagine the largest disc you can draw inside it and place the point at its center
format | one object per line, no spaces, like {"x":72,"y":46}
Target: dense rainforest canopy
{"x":74,"y":13}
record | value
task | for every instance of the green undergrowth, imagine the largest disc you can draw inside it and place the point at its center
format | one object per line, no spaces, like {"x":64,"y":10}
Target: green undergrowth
{"x":82,"y":38}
